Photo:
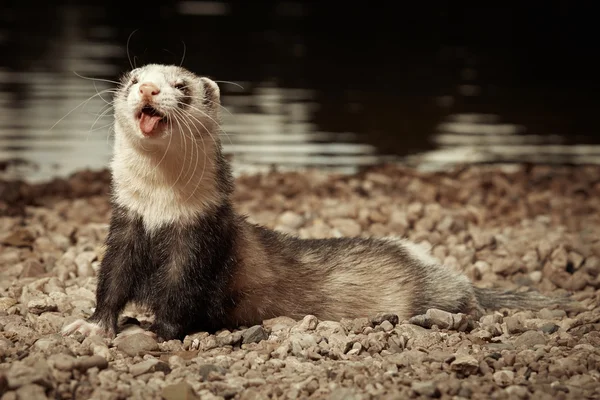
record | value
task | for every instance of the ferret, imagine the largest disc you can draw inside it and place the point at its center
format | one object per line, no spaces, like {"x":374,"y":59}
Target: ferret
{"x":177,"y":246}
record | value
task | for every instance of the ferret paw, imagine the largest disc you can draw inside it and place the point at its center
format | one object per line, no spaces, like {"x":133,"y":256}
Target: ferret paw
{"x":165,"y":331}
{"x":85,"y":328}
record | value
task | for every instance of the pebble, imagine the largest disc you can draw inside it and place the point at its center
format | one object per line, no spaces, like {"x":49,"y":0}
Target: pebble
{"x":514,"y":325}
{"x":278,"y":324}
{"x":425,"y":388}
{"x":465,"y":365}
{"x":291,"y":220}
{"x":31,"y":391}
{"x":504,"y":378}
{"x":19,"y":238}
{"x":391,"y":318}
{"x":205,"y":370}
{"x":63,"y":362}
{"x":176,"y":361}
{"x":40,"y":306}
{"x":254,"y":334}
{"x":150,"y":365}
{"x":346,"y":227}
{"x":6,"y":303}
{"x":359,"y":324}
{"x":32,"y":268}
{"x":137,"y":344}
{"x":179,"y":391}
{"x":503,"y":230}
{"x":516,"y":391}
{"x":309,"y":323}
{"x":50,"y":344}
{"x":85,"y":363}
{"x":549,"y":328}
{"x":33,"y":371}
{"x":344,"y":394}
{"x":83,"y":261}
{"x":386,"y":326}
{"x":529,"y":339}
{"x":443,"y":320}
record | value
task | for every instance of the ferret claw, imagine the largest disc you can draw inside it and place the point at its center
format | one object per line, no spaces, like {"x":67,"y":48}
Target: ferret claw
{"x":85,"y":328}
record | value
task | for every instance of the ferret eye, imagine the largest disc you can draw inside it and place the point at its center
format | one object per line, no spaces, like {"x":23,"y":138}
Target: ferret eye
{"x":180,"y":86}
{"x":134,"y":81}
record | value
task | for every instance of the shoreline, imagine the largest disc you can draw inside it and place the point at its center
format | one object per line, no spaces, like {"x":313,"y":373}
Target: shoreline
{"x":535,"y":226}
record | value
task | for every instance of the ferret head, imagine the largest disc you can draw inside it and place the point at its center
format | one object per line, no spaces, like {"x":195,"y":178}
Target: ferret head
{"x":159,"y":103}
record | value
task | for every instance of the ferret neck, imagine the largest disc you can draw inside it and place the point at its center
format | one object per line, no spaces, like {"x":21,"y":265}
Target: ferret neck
{"x":169,"y":186}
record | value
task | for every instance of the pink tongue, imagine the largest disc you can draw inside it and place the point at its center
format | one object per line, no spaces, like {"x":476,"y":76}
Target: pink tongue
{"x":148,"y":123}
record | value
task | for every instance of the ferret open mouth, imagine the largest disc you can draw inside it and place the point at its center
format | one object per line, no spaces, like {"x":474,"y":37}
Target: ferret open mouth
{"x":150,"y":118}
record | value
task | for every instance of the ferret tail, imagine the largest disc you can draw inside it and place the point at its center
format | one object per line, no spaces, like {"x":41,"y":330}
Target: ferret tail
{"x":494,"y":299}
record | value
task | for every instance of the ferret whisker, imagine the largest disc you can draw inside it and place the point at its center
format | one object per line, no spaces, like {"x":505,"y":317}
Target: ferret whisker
{"x":197,"y":159}
{"x":185,"y":166}
{"x":169,"y":51}
{"x":74,"y":108}
{"x":193,"y":141}
{"x":183,"y":56}
{"x":105,"y":108}
{"x":108,"y":133}
{"x":95,"y":79}
{"x":210,"y":101}
{"x":231,"y":83}
{"x":212,"y":136}
{"x":127,"y":49}
{"x":145,"y":149}
{"x":197,"y":152}
{"x":100,"y":127}
{"x":108,"y":104}
{"x":104,"y":91}
{"x":190,"y":115}
{"x":181,"y":129}
{"x":220,"y":128}
{"x":102,"y":114}
{"x":164,"y":154}
{"x":209,"y":117}
{"x":193,"y":192}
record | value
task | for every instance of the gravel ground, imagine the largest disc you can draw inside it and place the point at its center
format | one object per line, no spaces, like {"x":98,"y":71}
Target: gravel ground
{"x":534,"y":226}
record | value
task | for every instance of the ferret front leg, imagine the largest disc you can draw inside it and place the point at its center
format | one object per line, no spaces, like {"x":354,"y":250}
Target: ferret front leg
{"x":115,"y":283}
{"x":169,"y":321}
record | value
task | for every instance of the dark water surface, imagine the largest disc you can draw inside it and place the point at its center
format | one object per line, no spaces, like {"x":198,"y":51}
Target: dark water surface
{"x":322,"y":86}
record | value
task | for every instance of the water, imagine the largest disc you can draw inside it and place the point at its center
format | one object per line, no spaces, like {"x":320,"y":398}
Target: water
{"x":311,"y":95}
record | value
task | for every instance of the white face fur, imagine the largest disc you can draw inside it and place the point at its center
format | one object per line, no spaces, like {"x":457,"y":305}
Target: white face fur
{"x":156,"y":101}
{"x":166,"y":133}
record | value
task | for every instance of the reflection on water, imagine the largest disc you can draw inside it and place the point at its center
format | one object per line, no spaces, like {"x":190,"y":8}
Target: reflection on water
{"x":338,"y":116}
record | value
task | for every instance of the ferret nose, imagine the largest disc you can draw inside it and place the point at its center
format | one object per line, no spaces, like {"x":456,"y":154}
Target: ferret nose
{"x":149,"y":89}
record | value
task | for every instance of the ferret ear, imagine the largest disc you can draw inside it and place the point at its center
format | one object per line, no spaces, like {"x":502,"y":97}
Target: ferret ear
{"x":212,"y":93}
